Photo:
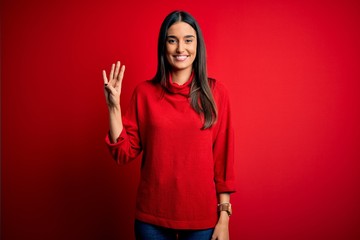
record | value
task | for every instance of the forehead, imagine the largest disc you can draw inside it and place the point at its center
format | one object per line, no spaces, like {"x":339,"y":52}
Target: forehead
{"x":181,"y":29}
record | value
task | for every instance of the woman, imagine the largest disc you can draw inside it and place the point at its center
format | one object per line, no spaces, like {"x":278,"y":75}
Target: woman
{"x":180,"y":121}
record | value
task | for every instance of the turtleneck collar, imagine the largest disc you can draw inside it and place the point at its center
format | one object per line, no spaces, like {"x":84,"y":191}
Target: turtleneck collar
{"x":180,"y":89}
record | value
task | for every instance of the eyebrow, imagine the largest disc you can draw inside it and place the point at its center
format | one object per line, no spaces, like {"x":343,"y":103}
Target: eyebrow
{"x":187,"y":36}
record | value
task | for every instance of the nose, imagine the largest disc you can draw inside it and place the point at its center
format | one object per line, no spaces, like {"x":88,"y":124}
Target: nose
{"x":180,"y":47}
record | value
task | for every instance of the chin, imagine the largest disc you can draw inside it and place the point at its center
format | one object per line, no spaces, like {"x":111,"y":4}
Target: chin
{"x":179,"y":68}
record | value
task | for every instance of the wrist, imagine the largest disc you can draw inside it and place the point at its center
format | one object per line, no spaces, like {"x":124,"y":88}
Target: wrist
{"x":223,"y":218}
{"x":114,"y":109}
{"x":225,"y":207}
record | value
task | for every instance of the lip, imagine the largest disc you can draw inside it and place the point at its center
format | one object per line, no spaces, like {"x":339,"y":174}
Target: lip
{"x":181,"y":58}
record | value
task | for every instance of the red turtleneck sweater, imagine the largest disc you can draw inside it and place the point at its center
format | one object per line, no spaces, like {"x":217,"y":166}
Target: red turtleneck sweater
{"x":183,"y":167}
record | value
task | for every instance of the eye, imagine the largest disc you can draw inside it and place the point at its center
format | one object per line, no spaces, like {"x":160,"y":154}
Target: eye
{"x":188,"y":40}
{"x":171,"y":41}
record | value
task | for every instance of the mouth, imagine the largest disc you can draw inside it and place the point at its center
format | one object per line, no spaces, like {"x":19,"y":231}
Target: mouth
{"x":181,"y":57}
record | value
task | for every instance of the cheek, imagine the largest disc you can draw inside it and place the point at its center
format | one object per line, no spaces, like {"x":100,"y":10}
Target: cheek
{"x":167,"y":50}
{"x":167,"y":53}
{"x":194,"y":49}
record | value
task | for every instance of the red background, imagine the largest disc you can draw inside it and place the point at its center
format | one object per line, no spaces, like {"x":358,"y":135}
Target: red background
{"x":292,"y":70}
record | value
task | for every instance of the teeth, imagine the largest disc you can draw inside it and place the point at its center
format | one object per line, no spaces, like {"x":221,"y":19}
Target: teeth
{"x":181,"y":57}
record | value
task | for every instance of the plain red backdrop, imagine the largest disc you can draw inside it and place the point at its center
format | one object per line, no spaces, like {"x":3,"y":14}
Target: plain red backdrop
{"x":292,"y":70}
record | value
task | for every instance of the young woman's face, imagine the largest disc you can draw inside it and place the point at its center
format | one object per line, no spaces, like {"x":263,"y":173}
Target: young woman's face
{"x":181,"y":45}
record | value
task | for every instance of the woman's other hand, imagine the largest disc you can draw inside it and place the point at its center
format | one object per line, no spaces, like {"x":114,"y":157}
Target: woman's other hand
{"x":221,"y":231}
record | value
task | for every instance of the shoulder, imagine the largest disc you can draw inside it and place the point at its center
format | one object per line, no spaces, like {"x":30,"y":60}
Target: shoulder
{"x":146,"y":87}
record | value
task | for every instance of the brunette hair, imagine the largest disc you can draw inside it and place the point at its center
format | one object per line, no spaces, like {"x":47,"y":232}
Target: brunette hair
{"x":201,"y":97}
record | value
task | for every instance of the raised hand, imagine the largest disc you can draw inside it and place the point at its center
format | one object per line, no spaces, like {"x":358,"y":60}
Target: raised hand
{"x":112,"y":92}
{"x":112,"y":89}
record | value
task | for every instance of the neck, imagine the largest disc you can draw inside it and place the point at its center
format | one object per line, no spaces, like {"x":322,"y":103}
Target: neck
{"x":181,"y":77}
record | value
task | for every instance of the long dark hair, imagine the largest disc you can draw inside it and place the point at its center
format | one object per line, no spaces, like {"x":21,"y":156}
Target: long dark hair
{"x":201,"y":97}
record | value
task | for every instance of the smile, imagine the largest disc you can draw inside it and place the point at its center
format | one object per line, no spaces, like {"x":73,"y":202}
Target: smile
{"x":181,"y":57}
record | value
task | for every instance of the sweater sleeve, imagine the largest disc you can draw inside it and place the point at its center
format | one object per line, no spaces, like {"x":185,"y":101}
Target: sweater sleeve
{"x":128,"y":145}
{"x":223,"y":148}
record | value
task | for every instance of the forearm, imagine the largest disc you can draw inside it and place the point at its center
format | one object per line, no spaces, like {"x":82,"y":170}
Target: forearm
{"x":223,"y":198}
{"x":115,"y":122}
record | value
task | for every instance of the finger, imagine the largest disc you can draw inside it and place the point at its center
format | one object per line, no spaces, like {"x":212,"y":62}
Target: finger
{"x":121,"y":76}
{"x":105,"y":78}
{"x":111,"y":76}
{"x":117,"y":68}
{"x":122,"y":71}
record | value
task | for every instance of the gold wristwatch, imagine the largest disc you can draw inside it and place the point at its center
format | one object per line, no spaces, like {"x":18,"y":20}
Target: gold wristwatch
{"x":225,"y":207}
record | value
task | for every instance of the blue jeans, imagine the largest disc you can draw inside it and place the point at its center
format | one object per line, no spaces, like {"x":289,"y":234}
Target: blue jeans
{"x":145,"y":231}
